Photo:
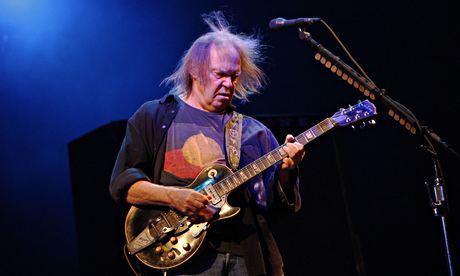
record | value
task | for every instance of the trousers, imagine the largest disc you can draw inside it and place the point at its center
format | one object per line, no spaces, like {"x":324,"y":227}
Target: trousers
{"x":222,"y":265}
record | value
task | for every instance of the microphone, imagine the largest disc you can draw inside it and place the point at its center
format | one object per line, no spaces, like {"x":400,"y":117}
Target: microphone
{"x":279,"y":23}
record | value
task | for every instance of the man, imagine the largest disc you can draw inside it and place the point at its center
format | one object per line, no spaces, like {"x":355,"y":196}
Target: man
{"x":169,"y":141}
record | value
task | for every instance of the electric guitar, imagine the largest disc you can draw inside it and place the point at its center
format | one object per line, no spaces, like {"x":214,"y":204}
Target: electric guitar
{"x":163,"y":238}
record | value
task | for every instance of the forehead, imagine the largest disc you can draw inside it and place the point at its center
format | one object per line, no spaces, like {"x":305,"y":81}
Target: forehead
{"x":224,"y":58}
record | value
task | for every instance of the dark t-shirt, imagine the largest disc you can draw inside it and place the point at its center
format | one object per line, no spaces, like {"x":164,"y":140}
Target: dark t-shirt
{"x":195,"y":140}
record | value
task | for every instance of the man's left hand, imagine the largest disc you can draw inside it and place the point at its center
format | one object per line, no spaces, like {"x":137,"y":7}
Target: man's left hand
{"x":295,"y":152}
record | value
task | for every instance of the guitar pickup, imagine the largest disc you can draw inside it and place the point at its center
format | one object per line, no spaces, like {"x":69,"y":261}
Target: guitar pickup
{"x":213,"y":193}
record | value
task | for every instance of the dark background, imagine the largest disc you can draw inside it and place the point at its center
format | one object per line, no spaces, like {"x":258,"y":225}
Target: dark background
{"x":71,"y":72}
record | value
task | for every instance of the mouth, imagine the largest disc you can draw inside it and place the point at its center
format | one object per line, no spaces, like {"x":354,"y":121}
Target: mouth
{"x":226,"y":95}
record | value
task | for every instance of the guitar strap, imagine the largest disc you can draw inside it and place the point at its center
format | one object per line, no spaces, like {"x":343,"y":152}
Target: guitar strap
{"x":131,"y":262}
{"x":233,"y":131}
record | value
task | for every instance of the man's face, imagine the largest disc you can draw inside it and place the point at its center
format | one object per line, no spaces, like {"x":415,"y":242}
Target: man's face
{"x":215,"y":93}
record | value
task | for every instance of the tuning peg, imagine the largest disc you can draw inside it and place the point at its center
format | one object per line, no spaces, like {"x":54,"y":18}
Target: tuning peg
{"x":361,"y":125}
{"x":368,"y":122}
{"x":357,"y":126}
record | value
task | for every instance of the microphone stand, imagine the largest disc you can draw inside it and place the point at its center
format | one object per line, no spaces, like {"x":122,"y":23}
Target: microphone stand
{"x":406,"y":119}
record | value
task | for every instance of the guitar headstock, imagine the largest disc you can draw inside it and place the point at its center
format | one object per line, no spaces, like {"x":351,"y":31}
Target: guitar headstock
{"x":355,"y":113}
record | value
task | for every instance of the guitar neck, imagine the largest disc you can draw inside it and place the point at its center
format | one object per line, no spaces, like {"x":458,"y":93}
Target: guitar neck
{"x":233,"y":181}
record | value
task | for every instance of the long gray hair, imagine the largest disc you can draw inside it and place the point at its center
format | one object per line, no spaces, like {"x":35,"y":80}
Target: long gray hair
{"x":196,"y":58}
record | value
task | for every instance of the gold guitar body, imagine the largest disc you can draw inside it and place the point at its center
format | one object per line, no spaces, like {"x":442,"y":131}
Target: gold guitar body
{"x":179,"y":245}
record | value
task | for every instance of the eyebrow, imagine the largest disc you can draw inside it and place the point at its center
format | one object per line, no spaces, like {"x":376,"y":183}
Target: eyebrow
{"x":226,"y":72}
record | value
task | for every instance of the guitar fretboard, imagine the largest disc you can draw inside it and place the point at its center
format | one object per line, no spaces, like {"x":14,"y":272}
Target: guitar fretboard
{"x":233,"y":181}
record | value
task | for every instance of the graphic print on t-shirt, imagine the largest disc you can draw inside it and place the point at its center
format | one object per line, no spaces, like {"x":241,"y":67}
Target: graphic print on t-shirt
{"x":195,"y":140}
{"x":197,"y":152}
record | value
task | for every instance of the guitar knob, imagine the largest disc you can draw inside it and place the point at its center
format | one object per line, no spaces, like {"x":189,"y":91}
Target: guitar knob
{"x":173,"y":240}
{"x":171,"y":255}
{"x":186,"y":246}
{"x":158,"y":250}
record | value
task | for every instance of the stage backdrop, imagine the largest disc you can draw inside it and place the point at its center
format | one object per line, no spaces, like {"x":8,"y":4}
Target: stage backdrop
{"x":71,"y":67}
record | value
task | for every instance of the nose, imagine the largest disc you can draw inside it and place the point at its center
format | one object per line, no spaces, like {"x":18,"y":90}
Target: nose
{"x":228,"y":82}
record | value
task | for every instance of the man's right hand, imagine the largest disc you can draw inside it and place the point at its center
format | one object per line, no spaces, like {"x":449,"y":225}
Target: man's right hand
{"x":185,"y":200}
{"x":191,"y":203}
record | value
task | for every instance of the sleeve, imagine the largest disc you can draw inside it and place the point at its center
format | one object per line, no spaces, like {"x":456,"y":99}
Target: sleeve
{"x":290,"y":197}
{"x":286,"y":198}
{"x":266,"y":188}
{"x":134,"y":158}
